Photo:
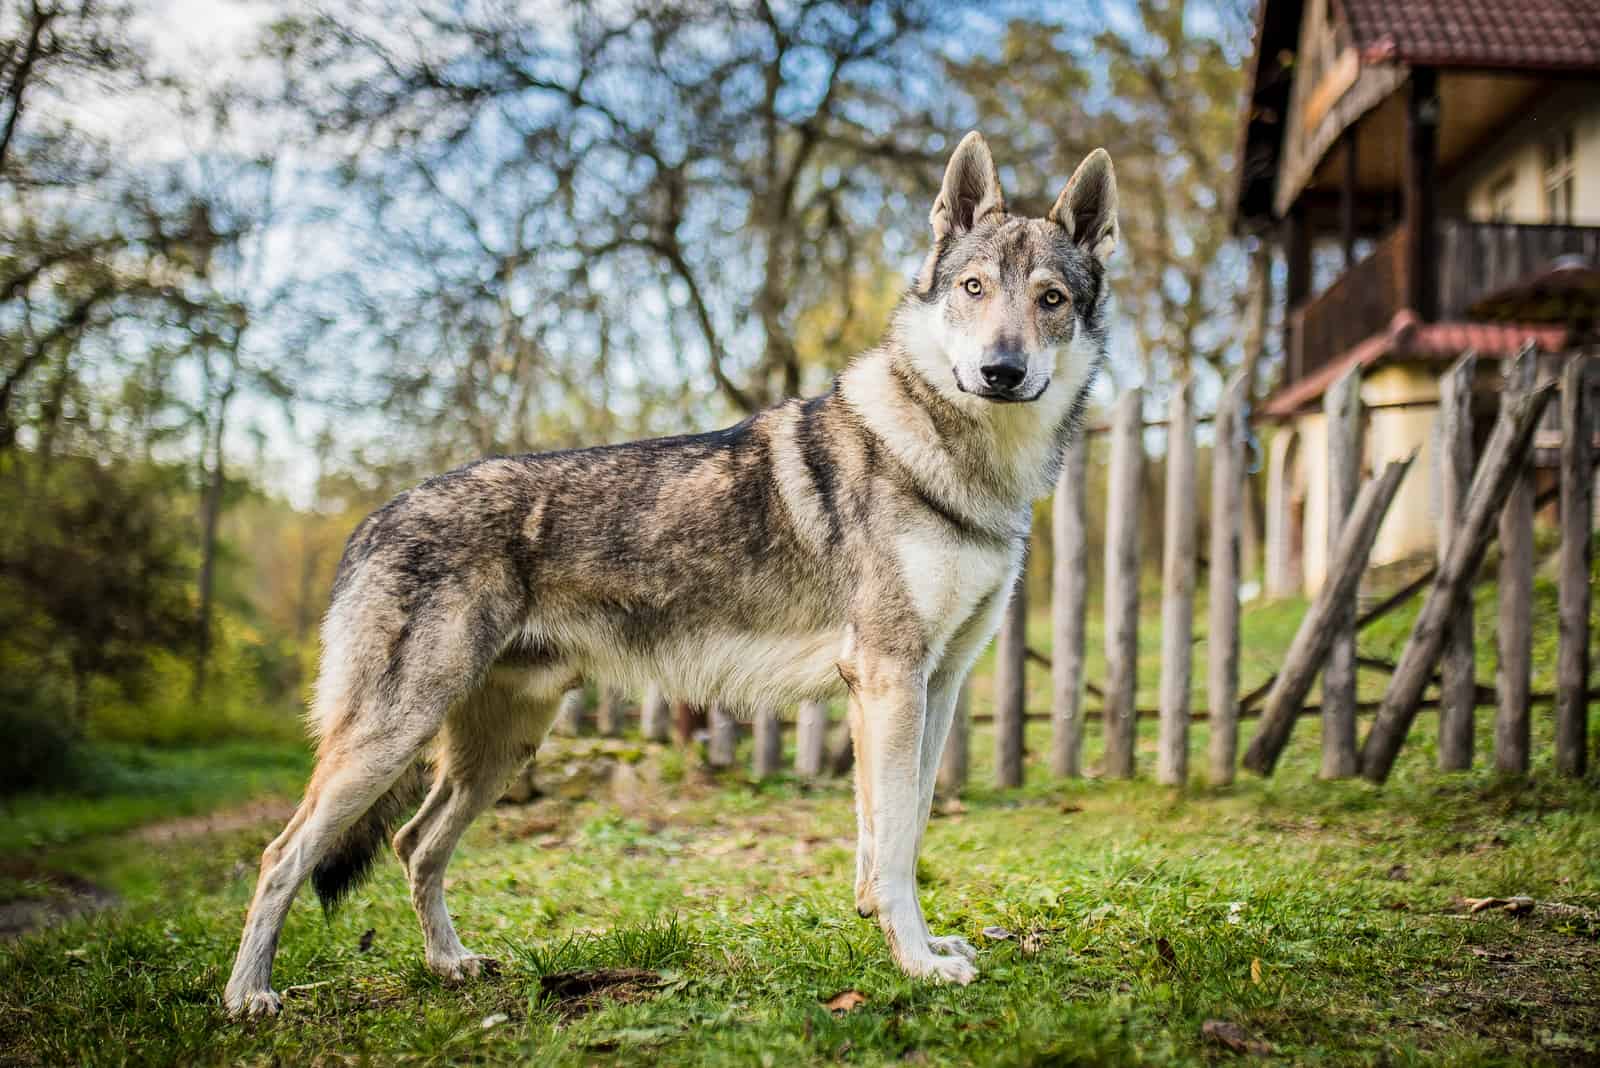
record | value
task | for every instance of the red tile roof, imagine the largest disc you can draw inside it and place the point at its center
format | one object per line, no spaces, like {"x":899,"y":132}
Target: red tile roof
{"x":1522,"y":34}
{"x":1407,"y":338}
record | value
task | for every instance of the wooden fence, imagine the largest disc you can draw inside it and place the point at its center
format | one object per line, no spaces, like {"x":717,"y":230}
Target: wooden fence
{"x":1483,"y":498}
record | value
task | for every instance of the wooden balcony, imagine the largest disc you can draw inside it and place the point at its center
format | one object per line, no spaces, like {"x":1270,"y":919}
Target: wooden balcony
{"x":1474,"y":260}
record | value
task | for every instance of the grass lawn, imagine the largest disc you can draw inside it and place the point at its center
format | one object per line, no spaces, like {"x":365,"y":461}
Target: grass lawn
{"x":1324,"y":919}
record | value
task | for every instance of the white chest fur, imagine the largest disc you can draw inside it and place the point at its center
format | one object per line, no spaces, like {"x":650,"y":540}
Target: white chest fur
{"x":947,"y":576}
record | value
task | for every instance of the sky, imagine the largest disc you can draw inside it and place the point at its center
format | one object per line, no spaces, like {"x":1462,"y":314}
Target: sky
{"x":205,"y":41}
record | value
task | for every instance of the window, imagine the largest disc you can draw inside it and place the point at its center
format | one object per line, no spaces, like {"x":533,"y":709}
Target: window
{"x":1503,"y":197}
{"x":1559,"y":176}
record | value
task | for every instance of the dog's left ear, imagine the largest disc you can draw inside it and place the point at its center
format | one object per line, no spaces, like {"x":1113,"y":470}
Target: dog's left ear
{"x":1087,"y":207}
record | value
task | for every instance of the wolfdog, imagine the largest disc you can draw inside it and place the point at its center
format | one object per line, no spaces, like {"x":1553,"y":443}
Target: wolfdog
{"x":862,"y":542}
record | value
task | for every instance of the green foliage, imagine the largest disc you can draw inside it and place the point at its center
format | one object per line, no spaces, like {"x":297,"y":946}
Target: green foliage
{"x":36,"y":722}
{"x":98,"y":620}
{"x":93,"y":570}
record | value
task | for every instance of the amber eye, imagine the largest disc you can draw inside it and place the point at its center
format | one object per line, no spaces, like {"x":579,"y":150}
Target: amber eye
{"x":1053,"y":298}
{"x":974,"y":287}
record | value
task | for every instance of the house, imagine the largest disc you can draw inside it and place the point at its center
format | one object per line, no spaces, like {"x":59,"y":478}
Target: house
{"x":1414,"y":163}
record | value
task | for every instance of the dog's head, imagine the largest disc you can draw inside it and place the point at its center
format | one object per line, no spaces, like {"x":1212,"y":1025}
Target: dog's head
{"x":1005,"y":306}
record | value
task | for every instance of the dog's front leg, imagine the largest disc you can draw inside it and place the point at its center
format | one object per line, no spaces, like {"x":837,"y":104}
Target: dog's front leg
{"x":866,"y":858}
{"x":893,"y":705}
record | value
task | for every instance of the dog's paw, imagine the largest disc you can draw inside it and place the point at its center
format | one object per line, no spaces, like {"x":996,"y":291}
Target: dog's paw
{"x":465,"y":968}
{"x":952,"y":969}
{"x":255,"y":1003}
{"x":952,"y":946}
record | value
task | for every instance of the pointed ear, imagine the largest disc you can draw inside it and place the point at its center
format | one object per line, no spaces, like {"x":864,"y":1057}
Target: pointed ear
{"x":1087,"y":207}
{"x":971,"y":190}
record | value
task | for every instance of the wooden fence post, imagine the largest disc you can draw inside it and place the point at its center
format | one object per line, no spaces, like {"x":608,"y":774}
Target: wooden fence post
{"x":1069,"y":604}
{"x":609,"y":714}
{"x":1222,"y":626}
{"x":1514,"y":590}
{"x":1458,"y":686}
{"x":1309,"y":649}
{"x":1502,"y":461}
{"x":654,"y":715}
{"x":723,"y":740}
{"x":1177,"y":586}
{"x":1341,"y":406}
{"x":1578,"y":405}
{"x":811,"y":738}
{"x":1010,"y":665}
{"x":687,"y":719}
{"x":766,"y":756}
{"x":572,"y":713}
{"x":1122,"y":585}
{"x":957,"y":749}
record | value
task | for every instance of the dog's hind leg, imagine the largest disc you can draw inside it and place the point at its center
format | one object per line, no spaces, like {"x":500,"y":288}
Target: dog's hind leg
{"x":356,"y":766}
{"x":486,"y":739}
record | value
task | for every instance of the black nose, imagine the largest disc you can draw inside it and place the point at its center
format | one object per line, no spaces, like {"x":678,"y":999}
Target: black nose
{"x":1005,"y":372}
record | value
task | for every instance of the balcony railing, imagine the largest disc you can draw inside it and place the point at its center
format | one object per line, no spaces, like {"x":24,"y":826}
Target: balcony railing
{"x":1358,"y":304}
{"x":1474,"y":259}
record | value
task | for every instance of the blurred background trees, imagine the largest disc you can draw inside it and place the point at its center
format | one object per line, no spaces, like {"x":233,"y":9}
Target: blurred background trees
{"x":247,"y":294}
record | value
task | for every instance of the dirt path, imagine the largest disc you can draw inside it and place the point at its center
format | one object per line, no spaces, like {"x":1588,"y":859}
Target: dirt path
{"x":36,"y":895}
{"x":237,"y":818}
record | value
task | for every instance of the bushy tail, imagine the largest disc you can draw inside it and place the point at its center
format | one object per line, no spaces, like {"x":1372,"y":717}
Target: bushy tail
{"x":349,"y":862}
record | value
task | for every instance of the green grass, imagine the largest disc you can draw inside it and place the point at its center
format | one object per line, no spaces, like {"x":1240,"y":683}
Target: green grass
{"x":1147,"y":907}
{"x":128,"y":786}
{"x":1323,"y":918}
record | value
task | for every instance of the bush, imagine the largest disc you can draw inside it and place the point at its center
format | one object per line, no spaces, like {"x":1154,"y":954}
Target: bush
{"x":41,"y":746}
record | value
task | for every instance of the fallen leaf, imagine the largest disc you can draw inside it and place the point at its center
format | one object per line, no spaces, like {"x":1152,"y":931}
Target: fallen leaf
{"x":366,"y":939}
{"x":1516,"y":906}
{"x":996,"y":934}
{"x":1166,"y":952}
{"x":1399,"y":873}
{"x":1067,"y":808}
{"x":1255,"y":970}
{"x":845,"y":1001}
{"x":1234,"y":1037}
{"x":1396,"y":906}
{"x":493,"y":1020}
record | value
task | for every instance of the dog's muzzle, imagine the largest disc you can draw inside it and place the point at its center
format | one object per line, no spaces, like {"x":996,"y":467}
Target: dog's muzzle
{"x":1007,"y":395}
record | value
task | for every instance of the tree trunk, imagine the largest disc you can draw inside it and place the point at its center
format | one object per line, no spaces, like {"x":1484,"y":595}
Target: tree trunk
{"x":210,"y":519}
